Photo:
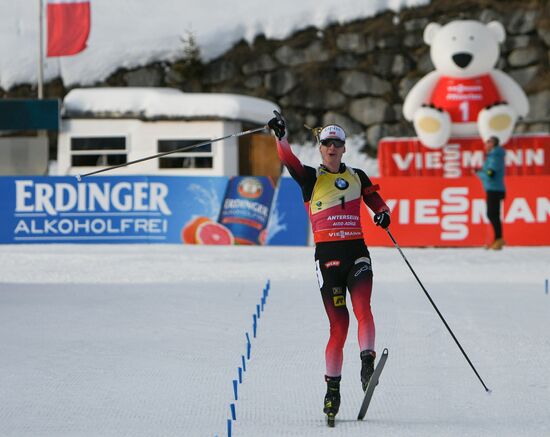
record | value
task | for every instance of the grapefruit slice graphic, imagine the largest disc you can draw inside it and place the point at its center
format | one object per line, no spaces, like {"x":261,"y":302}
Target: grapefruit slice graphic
{"x":189,"y":231}
{"x":213,"y":233}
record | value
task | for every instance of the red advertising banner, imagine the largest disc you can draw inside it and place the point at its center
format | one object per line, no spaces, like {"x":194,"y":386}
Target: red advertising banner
{"x":452,"y":212}
{"x":525,"y":155}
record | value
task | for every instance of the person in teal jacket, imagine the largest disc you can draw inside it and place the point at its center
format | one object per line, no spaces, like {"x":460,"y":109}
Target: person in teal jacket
{"x":492,"y":177}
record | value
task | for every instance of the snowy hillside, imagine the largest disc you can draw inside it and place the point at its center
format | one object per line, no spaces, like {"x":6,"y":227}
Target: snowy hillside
{"x":131,"y":33}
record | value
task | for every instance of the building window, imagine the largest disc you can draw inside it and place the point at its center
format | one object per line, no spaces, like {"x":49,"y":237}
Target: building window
{"x":98,"y":151}
{"x":199,"y":157}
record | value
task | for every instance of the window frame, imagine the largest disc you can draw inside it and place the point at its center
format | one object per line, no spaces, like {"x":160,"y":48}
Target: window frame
{"x":97,"y":152}
{"x":189,"y":154}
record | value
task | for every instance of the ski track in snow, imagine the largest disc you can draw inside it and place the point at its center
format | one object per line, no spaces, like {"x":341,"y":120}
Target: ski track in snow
{"x":141,"y":340}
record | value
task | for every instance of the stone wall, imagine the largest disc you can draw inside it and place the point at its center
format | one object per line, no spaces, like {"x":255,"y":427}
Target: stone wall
{"x":358,"y":74}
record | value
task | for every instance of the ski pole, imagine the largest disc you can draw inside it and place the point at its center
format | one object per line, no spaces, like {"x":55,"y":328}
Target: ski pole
{"x":181,"y":149}
{"x":437,"y":310}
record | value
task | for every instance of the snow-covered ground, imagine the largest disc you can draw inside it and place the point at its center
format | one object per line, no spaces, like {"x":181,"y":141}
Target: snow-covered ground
{"x":132,"y":33}
{"x":139,"y":340}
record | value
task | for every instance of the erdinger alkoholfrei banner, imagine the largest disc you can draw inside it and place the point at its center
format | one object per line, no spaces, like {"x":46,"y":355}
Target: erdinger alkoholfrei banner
{"x":452,"y":212}
{"x":525,"y":155}
{"x":141,"y":209}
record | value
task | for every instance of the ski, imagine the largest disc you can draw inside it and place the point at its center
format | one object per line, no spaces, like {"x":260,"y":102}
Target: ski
{"x":372,"y":384}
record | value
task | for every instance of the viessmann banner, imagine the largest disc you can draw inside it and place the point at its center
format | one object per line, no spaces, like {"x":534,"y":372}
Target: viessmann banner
{"x":140,"y":209}
{"x":451,"y":212}
{"x":253,"y":210}
{"x":525,"y":155}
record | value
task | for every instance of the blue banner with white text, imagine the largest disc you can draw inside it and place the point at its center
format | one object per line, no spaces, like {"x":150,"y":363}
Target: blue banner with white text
{"x":144,"y":209}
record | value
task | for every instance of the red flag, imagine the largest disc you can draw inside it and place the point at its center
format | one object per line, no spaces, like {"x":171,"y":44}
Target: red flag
{"x":68,"y":26}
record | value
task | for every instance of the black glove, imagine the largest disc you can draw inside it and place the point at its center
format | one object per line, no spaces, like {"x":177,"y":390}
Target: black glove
{"x":278,"y":125}
{"x":382,"y":219}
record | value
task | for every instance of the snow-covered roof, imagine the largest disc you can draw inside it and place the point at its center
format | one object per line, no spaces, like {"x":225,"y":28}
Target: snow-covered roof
{"x":164,"y":103}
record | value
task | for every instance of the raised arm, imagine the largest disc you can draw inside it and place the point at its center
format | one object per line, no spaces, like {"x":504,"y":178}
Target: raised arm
{"x":287,"y":157}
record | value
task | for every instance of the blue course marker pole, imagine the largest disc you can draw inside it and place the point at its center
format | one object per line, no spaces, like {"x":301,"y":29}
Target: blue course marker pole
{"x":229,"y":427}
{"x":233,"y":412}
{"x":240,"y":371}
{"x":244,"y":363}
{"x":235,"y":382}
{"x":258,"y":311}
{"x":248,"y":339}
{"x":248,"y":351}
{"x":254,"y":325}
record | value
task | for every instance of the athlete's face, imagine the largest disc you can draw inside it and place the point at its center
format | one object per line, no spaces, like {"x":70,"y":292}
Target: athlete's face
{"x":331,"y":153}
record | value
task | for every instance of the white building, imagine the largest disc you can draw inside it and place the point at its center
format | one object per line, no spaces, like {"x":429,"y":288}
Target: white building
{"x":102,"y":127}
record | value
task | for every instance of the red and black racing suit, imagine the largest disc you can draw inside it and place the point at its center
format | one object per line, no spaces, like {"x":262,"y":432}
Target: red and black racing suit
{"x":342,"y":259}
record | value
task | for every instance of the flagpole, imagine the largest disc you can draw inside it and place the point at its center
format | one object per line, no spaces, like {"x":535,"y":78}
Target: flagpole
{"x":42,"y":135}
{"x":41,"y":49}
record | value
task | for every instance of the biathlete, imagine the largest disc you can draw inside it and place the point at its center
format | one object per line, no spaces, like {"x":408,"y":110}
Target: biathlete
{"x":332,"y":194}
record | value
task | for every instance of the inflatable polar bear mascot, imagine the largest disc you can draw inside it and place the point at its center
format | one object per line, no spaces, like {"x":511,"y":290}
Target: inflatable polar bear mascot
{"x":465,"y":95}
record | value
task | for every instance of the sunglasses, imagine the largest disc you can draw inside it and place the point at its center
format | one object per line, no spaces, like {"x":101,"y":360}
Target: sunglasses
{"x":333,"y":142}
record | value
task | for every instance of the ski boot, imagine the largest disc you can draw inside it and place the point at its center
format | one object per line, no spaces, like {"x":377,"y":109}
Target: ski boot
{"x":332,"y":398}
{"x":367,"y":367}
